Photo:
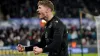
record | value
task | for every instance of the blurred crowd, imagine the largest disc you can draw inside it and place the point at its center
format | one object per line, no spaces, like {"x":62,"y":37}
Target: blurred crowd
{"x":63,"y":8}
{"x":23,"y":35}
{"x":84,"y":36}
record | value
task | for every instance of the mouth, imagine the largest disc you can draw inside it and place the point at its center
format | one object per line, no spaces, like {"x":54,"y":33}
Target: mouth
{"x":39,"y":13}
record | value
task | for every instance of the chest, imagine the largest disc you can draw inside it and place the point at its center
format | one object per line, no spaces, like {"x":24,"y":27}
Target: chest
{"x":49,"y":31}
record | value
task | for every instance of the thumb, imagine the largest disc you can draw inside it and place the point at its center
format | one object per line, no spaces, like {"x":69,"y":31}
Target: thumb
{"x":35,"y":47}
{"x":19,"y":45}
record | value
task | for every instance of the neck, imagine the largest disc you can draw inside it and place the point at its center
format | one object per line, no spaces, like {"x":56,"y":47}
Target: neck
{"x":49,"y":16}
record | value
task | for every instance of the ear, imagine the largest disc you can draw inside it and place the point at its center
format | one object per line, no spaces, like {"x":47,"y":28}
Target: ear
{"x":48,"y":10}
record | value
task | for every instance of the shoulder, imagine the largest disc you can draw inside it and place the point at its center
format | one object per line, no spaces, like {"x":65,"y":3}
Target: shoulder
{"x":57,"y":23}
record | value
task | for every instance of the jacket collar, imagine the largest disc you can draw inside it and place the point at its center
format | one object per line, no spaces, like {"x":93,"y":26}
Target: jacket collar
{"x":54,"y":17}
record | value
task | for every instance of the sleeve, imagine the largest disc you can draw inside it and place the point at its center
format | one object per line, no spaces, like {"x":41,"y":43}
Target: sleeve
{"x":41,"y":44}
{"x":57,"y":39}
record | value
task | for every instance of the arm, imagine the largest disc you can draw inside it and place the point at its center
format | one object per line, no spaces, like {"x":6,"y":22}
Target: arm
{"x":41,"y":44}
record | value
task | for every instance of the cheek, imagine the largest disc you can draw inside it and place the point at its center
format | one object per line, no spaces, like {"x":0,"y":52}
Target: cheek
{"x":43,"y":13}
{"x":44,"y":10}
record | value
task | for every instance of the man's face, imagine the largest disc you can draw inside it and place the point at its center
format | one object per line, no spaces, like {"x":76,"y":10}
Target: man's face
{"x":42,"y":11}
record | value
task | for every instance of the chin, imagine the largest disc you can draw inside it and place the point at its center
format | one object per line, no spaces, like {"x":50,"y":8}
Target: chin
{"x":40,"y":17}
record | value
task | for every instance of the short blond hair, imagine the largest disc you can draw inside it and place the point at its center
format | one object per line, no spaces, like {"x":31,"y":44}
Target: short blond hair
{"x":46,"y":3}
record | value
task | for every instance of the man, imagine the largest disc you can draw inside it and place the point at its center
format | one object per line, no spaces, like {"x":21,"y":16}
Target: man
{"x":53,"y":40}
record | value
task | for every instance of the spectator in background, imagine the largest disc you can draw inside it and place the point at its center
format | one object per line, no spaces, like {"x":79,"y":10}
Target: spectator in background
{"x":74,"y":33}
{"x":1,"y":43}
{"x":27,"y":9}
{"x":69,"y":35}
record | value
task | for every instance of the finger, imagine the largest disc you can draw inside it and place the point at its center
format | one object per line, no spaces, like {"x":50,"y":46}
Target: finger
{"x":35,"y":52}
{"x":35,"y":47}
{"x":19,"y":48}
{"x":19,"y":45}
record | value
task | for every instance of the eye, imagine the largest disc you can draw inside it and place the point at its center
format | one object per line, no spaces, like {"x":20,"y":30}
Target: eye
{"x":39,"y":7}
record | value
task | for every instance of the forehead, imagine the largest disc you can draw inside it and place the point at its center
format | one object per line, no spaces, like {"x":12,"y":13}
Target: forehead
{"x":41,"y":6}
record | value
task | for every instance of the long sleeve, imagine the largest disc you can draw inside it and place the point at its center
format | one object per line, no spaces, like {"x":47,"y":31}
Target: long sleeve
{"x":57,"y":39}
{"x":41,"y":44}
